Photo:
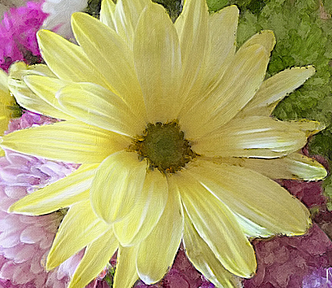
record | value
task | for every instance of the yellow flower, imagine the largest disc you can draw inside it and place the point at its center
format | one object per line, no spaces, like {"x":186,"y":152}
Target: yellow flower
{"x":172,"y":126}
{"x":6,"y":101}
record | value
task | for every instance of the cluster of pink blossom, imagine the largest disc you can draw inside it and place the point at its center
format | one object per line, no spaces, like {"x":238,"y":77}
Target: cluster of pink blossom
{"x":320,"y":278}
{"x":18,"y":34}
{"x":284,"y":262}
{"x":25,"y":240}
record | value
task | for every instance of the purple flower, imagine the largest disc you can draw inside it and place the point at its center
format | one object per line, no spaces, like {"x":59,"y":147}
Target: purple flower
{"x":18,"y":34}
{"x":285,"y":261}
{"x":25,"y":240}
{"x":320,"y":278}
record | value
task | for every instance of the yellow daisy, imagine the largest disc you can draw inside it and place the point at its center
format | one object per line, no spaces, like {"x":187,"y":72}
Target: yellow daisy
{"x":172,"y":126}
{"x":6,"y":103}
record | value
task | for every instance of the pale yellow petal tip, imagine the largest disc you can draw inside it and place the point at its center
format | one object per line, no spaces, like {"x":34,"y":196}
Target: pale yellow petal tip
{"x":252,"y":267}
{"x":49,"y":266}
{"x":302,"y":222}
{"x":15,"y":68}
{"x":18,"y":209}
{"x":247,"y":271}
{"x":268,"y":39}
{"x":310,"y":127}
{"x":321,"y":172}
{"x":12,"y":209}
{"x":302,"y":229}
{"x":314,"y":171}
{"x":51,"y":262}
{"x":148,"y":280}
{"x":42,"y":33}
{"x":230,"y":9}
{"x":79,"y":16}
{"x":311,"y":69}
{"x":264,"y":38}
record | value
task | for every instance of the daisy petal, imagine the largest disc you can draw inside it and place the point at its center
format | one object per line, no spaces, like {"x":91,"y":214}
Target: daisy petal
{"x":254,"y":196}
{"x":69,"y":141}
{"x":106,"y":13}
{"x":46,"y":88}
{"x":222,"y":45}
{"x":126,"y":17}
{"x":261,"y":137}
{"x":237,"y":86}
{"x":251,"y":229}
{"x":25,"y":97}
{"x":74,"y":65}
{"x":117,"y":185}
{"x":115,"y":60}
{"x":275,"y":89}
{"x":158,"y":64}
{"x":308,"y":126}
{"x":204,"y":259}
{"x":146,"y":212}
{"x":95,"y":105}
{"x":293,"y":166}
{"x":95,"y":259}
{"x":3,"y":82}
{"x":79,"y":228}
{"x":60,"y":194}
{"x":220,"y":50}
{"x":217,"y":226}
{"x":192,"y":28}
{"x":265,"y":38}
{"x":156,"y":253}
{"x":126,"y":274}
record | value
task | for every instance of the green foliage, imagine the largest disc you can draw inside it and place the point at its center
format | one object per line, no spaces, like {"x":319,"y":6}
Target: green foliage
{"x":302,"y":39}
{"x":93,"y":8}
{"x":327,"y":185}
{"x":173,"y":7}
{"x":303,"y":30}
{"x":109,"y":278}
{"x":216,"y":5}
{"x":327,"y":4}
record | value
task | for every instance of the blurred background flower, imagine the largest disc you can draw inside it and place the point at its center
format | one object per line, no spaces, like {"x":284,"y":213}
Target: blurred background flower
{"x":18,"y":34}
{"x":59,"y":13}
{"x":25,"y":240}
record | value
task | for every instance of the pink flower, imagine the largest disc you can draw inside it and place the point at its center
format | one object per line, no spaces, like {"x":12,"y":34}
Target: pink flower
{"x":320,"y":278}
{"x":288,"y":262}
{"x":18,"y":34}
{"x":181,"y":275}
{"x":26,"y":240}
{"x":284,"y":262}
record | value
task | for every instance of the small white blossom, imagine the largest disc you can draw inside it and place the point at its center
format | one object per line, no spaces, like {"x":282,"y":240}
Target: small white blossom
{"x":59,"y":15}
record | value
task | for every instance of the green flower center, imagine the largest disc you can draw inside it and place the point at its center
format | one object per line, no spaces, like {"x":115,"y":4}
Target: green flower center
{"x":164,"y":146}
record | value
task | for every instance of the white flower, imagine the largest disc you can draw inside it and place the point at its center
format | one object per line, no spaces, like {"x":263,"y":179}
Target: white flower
{"x":59,"y":15}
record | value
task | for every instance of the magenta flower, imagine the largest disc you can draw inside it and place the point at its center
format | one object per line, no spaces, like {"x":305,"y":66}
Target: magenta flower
{"x":18,"y":34}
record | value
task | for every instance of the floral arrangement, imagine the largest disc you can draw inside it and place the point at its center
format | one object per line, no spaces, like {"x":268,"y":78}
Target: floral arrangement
{"x":154,"y":145}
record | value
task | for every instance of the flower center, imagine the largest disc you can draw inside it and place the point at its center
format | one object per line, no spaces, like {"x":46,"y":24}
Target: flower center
{"x":164,"y":146}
